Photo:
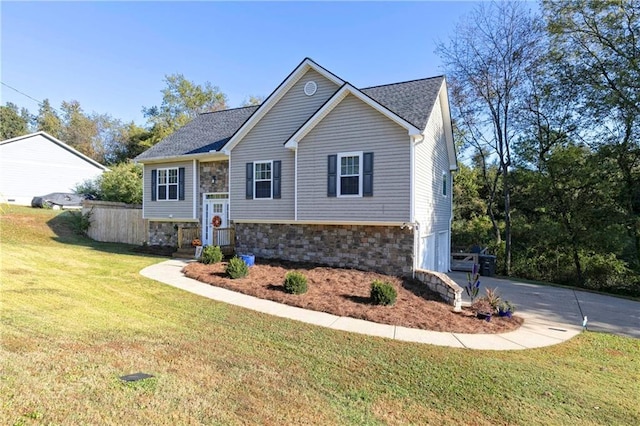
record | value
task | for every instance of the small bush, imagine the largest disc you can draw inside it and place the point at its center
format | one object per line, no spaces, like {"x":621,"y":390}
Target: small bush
{"x":80,"y":222}
{"x":295,"y":283}
{"x":383,"y":293}
{"x":236,"y":268}
{"x":211,"y":254}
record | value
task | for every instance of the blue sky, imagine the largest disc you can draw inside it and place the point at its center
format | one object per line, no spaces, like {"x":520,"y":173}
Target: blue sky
{"x":112,"y":56}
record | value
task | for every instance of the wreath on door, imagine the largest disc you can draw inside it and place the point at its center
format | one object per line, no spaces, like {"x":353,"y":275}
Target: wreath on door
{"x":216,"y":221}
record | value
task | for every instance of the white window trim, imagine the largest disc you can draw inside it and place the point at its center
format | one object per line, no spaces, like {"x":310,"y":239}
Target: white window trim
{"x":177,"y":169}
{"x":255,"y":180}
{"x":341,"y":155}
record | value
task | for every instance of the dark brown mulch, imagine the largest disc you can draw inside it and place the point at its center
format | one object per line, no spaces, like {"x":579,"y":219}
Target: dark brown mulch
{"x":346,"y":292}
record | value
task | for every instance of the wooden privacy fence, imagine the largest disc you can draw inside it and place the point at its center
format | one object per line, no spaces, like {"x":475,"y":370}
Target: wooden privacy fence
{"x":116,"y":222}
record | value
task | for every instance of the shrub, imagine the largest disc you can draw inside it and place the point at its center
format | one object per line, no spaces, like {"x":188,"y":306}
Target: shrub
{"x":211,"y":254}
{"x":80,"y":222}
{"x":383,"y":293}
{"x":295,"y":283}
{"x":236,"y":268}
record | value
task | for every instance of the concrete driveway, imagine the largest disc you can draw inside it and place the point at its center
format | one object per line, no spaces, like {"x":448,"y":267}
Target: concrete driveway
{"x":564,"y":307}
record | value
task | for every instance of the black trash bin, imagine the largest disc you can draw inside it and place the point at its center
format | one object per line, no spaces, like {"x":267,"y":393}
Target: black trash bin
{"x":487,"y":265}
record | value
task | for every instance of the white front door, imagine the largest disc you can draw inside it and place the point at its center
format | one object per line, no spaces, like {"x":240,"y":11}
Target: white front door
{"x":215,"y":210}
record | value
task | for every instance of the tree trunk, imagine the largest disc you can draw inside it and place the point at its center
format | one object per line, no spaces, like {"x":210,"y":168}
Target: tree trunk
{"x":507,"y":221}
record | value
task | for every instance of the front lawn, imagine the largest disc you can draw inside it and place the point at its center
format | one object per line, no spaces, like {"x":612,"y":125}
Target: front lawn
{"x":75,"y":315}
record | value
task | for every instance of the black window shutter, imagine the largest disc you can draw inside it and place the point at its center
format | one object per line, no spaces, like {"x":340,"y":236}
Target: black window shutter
{"x":367,"y":174}
{"x":181,"y":183}
{"x":154,"y":185}
{"x":276,"y":178}
{"x":249,"y":189}
{"x":331,"y":175}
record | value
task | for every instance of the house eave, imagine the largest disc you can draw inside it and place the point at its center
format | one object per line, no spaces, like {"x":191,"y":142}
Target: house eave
{"x":203,"y":156}
{"x":322,"y":222}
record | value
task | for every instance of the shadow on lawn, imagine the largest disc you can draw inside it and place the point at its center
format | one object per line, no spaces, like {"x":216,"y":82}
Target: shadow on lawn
{"x":62,"y":228}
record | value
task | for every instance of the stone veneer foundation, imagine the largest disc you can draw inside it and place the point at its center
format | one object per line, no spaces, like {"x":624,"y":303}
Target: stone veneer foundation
{"x":166,"y":233}
{"x":384,"y":249}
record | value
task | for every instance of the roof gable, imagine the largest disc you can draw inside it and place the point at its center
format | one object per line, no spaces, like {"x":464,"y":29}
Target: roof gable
{"x":275,"y":97}
{"x":345,"y":90}
{"x":60,"y":144}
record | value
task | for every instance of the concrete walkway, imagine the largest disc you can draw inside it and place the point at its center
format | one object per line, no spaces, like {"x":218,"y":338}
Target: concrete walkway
{"x":538,"y":330}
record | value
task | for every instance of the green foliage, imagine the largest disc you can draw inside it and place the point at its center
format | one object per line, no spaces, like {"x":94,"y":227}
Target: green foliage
{"x":211,"y":255}
{"x":295,"y":283}
{"x":383,"y":293}
{"x":236,"y":268}
{"x":12,"y":124}
{"x":122,"y":183}
{"x":182,"y":100}
{"x":48,"y":120}
{"x":80,"y":222}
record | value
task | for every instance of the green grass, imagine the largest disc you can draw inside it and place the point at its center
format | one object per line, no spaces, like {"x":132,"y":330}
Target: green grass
{"x":75,"y":315}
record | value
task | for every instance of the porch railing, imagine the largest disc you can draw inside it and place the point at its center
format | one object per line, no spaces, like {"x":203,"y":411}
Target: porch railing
{"x":186,"y":234}
{"x":223,"y":237}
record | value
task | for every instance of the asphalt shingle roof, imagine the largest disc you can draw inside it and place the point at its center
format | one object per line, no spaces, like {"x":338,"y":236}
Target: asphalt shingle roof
{"x":208,"y":131}
{"x":411,"y":100}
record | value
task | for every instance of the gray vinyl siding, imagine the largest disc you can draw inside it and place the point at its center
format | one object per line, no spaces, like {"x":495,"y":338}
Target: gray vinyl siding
{"x":163,"y":209}
{"x":433,"y":210}
{"x":355,"y":126}
{"x":265,"y":142}
{"x":36,"y":166}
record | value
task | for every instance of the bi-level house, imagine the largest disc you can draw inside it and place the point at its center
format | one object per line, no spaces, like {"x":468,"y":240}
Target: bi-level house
{"x":321,"y":171}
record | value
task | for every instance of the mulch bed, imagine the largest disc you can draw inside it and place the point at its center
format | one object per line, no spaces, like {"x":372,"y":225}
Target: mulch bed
{"x":346,"y":292}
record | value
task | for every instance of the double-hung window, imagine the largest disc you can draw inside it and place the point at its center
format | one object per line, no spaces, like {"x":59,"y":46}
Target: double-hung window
{"x":350,"y":170}
{"x":262,"y":179}
{"x":168,"y":184}
{"x":350,"y":174}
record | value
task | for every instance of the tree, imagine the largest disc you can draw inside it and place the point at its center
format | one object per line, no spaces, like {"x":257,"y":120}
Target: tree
{"x":48,"y":120}
{"x":182,"y":101}
{"x":253,"y":100}
{"x":596,"y":46}
{"x":486,"y":61}
{"x":80,"y":131}
{"x":122,"y":183}
{"x":12,"y":124}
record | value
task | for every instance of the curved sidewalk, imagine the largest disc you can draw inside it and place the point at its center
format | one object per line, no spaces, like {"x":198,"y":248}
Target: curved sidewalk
{"x":534,"y":333}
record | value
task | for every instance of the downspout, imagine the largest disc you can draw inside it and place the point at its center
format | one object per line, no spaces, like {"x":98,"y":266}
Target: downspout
{"x":195,"y":189}
{"x":229,"y":187}
{"x":295,"y":186}
{"x":412,"y":196}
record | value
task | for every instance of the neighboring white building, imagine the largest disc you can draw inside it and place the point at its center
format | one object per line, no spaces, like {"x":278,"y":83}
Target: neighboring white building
{"x":39,"y":164}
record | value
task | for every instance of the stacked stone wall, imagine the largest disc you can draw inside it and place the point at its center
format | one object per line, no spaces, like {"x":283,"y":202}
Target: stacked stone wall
{"x":165,"y":233}
{"x":439,"y":282}
{"x":384,"y":249}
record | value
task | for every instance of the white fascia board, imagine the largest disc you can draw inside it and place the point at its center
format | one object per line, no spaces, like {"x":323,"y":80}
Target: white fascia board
{"x":448,"y":126}
{"x":212,"y":156}
{"x":275,"y":97}
{"x":320,"y":222}
{"x":346,"y":89}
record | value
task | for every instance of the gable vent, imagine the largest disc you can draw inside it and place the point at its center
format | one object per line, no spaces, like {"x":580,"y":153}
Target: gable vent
{"x":310,"y":88}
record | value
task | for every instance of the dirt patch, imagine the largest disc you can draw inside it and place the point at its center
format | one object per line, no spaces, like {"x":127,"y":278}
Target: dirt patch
{"x":345,"y":292}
